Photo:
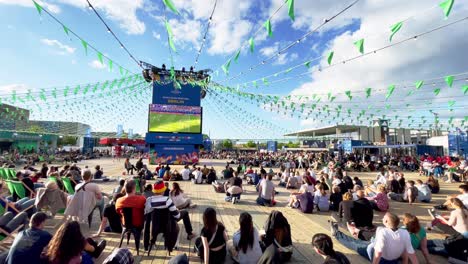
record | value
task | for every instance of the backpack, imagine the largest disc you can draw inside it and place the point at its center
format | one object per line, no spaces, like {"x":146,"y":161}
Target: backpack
{"x":457,"y":246}
{"x":306,"y":202}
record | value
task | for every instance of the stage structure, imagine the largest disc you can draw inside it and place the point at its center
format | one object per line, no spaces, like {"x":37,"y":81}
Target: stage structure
{"x":175,"y":115}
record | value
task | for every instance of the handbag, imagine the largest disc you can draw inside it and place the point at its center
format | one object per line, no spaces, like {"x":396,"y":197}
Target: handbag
{"x":198,"y":247}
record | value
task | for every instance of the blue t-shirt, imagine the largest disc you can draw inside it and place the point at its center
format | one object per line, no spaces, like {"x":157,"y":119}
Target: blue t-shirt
{"x":28,"y":246}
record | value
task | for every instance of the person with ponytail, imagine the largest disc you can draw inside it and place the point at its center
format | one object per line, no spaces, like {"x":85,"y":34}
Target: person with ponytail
{"x":323,"y":245}
{"x":245,"y":247}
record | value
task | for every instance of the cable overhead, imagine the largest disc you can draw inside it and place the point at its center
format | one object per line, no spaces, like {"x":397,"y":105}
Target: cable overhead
{"x":113,"y":34}
{"x":204,"y":35}
{"x":373,"y":51}
{"x":299,"y":40}
{"x":77,"y":36}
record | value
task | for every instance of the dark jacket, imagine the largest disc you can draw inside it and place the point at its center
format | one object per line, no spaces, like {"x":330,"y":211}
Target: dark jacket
{"x":362,"y":213}
{"x":344,"y":210}
{"x":274,"y":221}
{"x":160,"y":221}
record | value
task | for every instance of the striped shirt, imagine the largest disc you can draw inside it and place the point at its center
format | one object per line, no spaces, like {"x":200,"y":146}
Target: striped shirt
{"x":161,"y":202}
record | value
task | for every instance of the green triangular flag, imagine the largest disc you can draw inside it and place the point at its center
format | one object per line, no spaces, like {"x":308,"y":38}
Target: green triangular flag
{"x":451,"y":103}
{"x":110,"y":65}
{"x":330,"y":57}
{"x":38,"y":7}
{"x":360,"y":45}
{"x":307,"y":64}
{"x":99,"y":55}
{"x":85,"y":46}
{"x":368,"y":92}
{"x":419,"y":84}
{"x":236,"y":57}
{"x":287,"y":71}
{"x":437,"y":91}
{"x":291,"y":9}
{"x":121,"y":70}
{"x":267,"y":26}
{"x":465,"y":89}
{"x":449,"y":80}
{"x":390,"y":90}
{"x":447,"y":7}
{"x":265,"y":81}
{"x":251,"y":44}
{"x":255,"y":83}
{"x":169,"y":4}
{"x":395,"y":28}
{"x":226,"y":66}
{"x":348,"y":93}
{"x":66,"y":30}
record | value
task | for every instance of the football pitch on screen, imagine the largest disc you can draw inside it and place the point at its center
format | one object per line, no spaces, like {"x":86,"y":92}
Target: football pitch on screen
{"x":162,"y":122}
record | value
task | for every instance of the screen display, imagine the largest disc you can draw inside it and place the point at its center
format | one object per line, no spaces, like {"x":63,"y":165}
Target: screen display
{"x":174,"y":118}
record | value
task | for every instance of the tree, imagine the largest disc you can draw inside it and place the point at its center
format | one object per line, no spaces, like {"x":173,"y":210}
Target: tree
{"x":251,"y":144}
{"x":67,"y":141}
{"x":227,"y":144}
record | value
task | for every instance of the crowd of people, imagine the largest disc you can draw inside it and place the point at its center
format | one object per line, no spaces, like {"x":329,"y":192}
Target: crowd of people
{"x":317,"y":182}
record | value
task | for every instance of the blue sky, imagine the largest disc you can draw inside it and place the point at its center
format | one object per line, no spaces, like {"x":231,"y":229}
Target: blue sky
{"x":36,"y":53}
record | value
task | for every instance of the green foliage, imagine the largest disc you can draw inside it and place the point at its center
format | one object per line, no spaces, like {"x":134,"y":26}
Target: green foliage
{"x":67,"y":141}
{"x":251,"y":144}
{"x":227,"y":144}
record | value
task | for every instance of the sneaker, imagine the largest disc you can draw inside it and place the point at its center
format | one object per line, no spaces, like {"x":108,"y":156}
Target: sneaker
{"x":333,"y":227}
{"x":431,"y":213}
{"x":99,"y":248}
{"x":190,"y":236}
{"x":233,"y":200}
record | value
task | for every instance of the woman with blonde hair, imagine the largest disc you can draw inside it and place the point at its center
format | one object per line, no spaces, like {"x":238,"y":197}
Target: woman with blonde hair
{"x":456,"y":223}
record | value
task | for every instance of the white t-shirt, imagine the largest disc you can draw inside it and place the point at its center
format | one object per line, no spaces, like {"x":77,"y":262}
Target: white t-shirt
{"x":90,"y":187}
{"x":185,"y":174}
{"x":307,"y":188}
{"x":391,"y":243}
{"x":463,"y":198}
{"x":198,"y":176}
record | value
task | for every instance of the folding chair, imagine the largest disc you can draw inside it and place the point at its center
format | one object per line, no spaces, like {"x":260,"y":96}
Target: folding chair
{"x":12,"y":174}
{"x":20,"y":189}
{"x":4,"y":235}
{"x":67,"y":183}
{"x":128,"y":228}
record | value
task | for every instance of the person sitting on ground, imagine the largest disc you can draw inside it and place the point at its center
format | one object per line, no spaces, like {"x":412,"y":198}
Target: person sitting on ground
{"x":344,"y":209}
{"x":390,"y":244}
{"x":159,"y":201}
{"x":111,"y":216}
{"x":119,"y":188}
{"x":198,"y":176}
{"x":381,"y":177}
{"x":456,"y":223}
{"x":306,"y":187}
{"x":321,"y":198}
{"x":379,"y":202}
{"x":417,"y":235}
{"x":335,"y":198}
{"x":323,"y":245}
{"x":185,"y":173}
{"x":392,"y":184}
{"x":180,"y":199}
{"x":433,"y":184}
{"x":245,"y":247}
{"x":401,"y":180}
{"x":233,"y":193}
{"x":357,"y":181}
{"x":410,"y":194}
{"x":133,"y":201}
{"x":213,"y":237}
{"x":235,"y":180}
{"x":266,"y":192}
{"x":463,"y":196}
{"x":211,"y":177}
{"x":99,"y":173}
{"x":276,"y":239}
{"x":68,"y":245}
{"x":29,"y":243}
{"x":292,"y":182}
{"x":424,"y":192}
{"x":370,"y":189}
{"x":362,"y":214}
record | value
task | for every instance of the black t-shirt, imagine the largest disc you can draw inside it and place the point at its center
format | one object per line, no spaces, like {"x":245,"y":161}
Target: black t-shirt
{"x":338,"y":258}
{"x":114,"y":218}
{"x":362,"y":213}
{"x":219,"y":236}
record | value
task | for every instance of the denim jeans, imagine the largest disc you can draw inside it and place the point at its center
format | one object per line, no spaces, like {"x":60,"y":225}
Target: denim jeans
{"x":24,"y":203}
{"x":436,"y":247}
{"x":10,"y":222}
{"x":360,"y":246}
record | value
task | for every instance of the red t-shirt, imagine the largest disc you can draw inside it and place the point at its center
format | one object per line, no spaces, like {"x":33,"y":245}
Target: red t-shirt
{"x":137,"y":202}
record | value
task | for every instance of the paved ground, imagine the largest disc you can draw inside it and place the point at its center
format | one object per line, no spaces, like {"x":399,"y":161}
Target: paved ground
{"x":303,"y":226}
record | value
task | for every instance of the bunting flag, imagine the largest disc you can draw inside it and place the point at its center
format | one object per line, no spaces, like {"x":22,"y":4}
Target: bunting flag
{"x":437,"y":91}
{"x":236,"y":57}
{"x":99,"y":54}
{"x":418,"y":84}
{"x":451,"y":103}
{"x":169,"y":36}
{"x":287,"y":71}
{"x":169,"y":4}
{"x":390,"y":90}
{"x":330,"y":57}
{"x":368,"y":92}
{"x":348,"y":93}
{"x":226,"y":66}
{"x":267,"y":26}
{"x":110,"y":65}
{"x":38,"y":7}
{"x":447,"y":7}
{"x":251,"y":44}
{"x":85,"y":46}
{"x":449,"y":80}
{"x":66,"y":30}
{"x":265,"y":81}
{"x":307,"y":64}
{"x":465,"y":89}
{"x":394,"y":29}
{"x":291,"y":9}
{"x":360,"y":45}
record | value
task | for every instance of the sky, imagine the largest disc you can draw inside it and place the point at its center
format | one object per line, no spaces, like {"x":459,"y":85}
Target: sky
{"x":37,"y":54}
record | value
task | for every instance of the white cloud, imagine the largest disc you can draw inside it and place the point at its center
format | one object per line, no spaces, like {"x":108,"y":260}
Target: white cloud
{"x":280,"y":59}
{"x":73,"y":61}
{"x":62,"y":47}
{"x":97,"y":65}
{"x":27,"y":3}
{"x":156,"y":35}
{"x":186,"y":32}
{"x":434,"y":55}
{"x":18,"y":87}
